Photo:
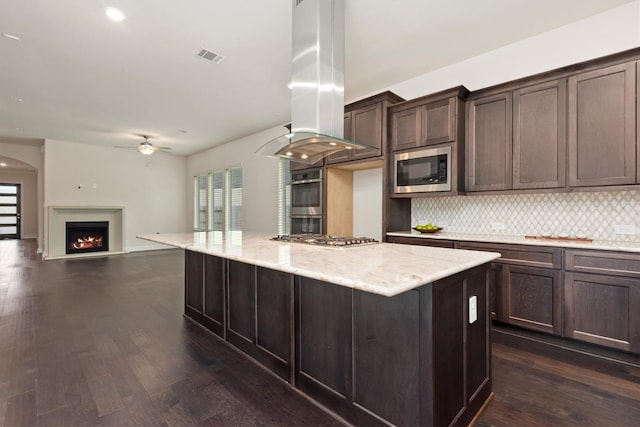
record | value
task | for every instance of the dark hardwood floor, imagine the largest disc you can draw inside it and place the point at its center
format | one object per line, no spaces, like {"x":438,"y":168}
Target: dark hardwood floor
{"x":102,"y":342}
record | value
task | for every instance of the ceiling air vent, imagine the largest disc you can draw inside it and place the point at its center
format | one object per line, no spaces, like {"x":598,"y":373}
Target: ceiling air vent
{"x":207,"y":55}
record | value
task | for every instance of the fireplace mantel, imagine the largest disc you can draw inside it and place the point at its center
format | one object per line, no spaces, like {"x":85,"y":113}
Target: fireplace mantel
{"x":58,"y":217}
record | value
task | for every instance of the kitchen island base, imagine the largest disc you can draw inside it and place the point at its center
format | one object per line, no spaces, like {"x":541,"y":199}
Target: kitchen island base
{"x":410,"y":359}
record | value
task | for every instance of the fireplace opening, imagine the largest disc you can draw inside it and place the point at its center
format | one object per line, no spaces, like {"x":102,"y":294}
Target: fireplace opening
{"x":84,"y":236}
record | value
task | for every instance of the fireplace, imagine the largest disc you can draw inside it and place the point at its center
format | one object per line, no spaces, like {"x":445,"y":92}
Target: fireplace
{"x":87,"y":236}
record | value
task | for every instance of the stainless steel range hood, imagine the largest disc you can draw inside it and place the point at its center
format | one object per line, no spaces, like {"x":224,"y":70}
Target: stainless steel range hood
{"x":317,"y":85}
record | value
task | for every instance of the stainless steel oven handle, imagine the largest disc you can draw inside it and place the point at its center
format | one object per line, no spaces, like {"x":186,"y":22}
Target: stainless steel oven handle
{"x":306,"y":181}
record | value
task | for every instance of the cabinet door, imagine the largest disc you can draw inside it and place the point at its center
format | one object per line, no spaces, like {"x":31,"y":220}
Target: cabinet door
{"x":193,"y":297}
{"x":324,"y":350}
{"x":489,"y":159}
{"x":366,"y":128}
{"x":531,"y":298}
{"x":241,"y":305}
{"x":274,"y":320}
{"x":406,"y":129}
{"x":439,"y":122}
{"x":602,"y":127}
{"x":385,"y":332}
{"x":603,"y":310}
{"x":344,"y":155}
{"x":213,"y":310}
{"x":539,"y":136}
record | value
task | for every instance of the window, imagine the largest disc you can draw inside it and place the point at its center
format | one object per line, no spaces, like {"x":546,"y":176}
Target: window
{"x":284,"y":196}
{"x":218,"y":200}
{"x":200,"y":203}
{"x":234,"y":201}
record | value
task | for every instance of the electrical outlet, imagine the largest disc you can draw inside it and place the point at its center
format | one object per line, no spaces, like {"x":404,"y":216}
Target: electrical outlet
{"x":625,"y":229}
{"x":473,"y":309}
{"x":497,"y":226}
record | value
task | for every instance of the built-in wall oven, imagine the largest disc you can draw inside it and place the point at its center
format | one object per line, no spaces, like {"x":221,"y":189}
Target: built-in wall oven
{"x":306,"y":202}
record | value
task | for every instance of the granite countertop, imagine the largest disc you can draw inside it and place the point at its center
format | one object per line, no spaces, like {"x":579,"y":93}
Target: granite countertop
{"x":382,"y":268}
{"x":607,"y":245}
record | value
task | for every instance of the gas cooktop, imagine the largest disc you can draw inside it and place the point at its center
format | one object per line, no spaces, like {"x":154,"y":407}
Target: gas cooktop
{"x":325,"y":240}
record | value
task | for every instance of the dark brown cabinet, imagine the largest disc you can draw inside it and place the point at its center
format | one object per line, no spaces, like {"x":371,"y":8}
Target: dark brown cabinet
{"x":602,"y":299}
{"x":602,"y":126}
{"x":365,"y":121}
{"x":436,"y":119}
{"x":371,"y":357}
{"x":539,"y":135}
{"x":527,"y":285}
{"x":260,"y":316}
{"x":323,"y":325}
{"x":204,"y":290}
{"x":428,"y":124}
{"x":517,"y":139}
{"x":489,"y":143}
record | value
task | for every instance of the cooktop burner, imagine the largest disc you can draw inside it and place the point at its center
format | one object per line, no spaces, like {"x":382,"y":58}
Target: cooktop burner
{"x":324,"y":240}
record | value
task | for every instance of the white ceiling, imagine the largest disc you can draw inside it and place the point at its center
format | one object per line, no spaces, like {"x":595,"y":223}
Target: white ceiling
{"x":77,"y":76}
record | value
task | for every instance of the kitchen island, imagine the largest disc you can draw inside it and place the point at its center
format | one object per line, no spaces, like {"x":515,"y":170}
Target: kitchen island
{"x":379,"y":334}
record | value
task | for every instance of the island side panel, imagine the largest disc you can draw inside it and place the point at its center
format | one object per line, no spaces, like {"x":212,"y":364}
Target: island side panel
{"x":274,"y":321}
{"x":214,"y":289}
{"x":323,"y":325}
{"x":193,"y":297}
{"x":447,"y":327}
{"x":478,"y":351}
{"x":386,"y":356}
{"x":241,"y":304}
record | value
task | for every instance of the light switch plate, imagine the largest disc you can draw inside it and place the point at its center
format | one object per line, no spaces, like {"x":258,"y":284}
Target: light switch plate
{"x":473,"y":309}
{"x":497,"y":226}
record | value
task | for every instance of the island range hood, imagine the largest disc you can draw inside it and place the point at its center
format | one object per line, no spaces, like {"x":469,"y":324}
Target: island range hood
{"x":317,"y":85}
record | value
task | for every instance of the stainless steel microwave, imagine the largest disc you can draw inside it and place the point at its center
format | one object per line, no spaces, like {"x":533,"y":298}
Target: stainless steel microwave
{"x":421,"y":171}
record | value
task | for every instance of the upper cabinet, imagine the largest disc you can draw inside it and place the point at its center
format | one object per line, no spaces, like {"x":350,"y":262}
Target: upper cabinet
{"x":431,"y":120}
{"x":569,"y":128}
{"x":489,"y":143}
{"x":422,"y":125}
{"x":365,"y":123}
{"x":602,"y":126}
{"x":517,"y":139}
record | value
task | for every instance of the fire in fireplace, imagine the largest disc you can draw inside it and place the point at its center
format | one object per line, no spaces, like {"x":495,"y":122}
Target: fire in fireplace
{"x":83,"y":236}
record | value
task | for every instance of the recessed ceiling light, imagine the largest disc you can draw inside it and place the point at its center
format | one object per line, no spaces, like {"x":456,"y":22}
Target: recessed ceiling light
{"x":11,"y":36}
{"x":114,"y":14}
{"x":3,"y":164}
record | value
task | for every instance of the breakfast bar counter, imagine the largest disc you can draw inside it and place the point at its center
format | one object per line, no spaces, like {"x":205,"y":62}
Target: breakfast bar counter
{"x":379,"y":334}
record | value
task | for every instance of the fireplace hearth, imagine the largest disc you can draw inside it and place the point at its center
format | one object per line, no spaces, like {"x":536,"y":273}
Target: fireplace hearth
{"x":87,"y":236}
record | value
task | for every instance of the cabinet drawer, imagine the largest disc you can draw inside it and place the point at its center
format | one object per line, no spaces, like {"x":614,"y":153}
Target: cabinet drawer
{"x":614,"y":263}
{"x":534,"y":256}
{"x":421,"y":241}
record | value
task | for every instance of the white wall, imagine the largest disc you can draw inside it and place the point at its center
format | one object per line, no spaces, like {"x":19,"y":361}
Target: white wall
{"x":28,"y":181}
{"x":259,"y":178}
{"x":613,"y":31}
{"x":151,"y":188}
{"x":33,"y":156}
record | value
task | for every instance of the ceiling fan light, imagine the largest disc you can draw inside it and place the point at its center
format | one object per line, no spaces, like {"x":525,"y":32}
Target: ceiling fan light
{"x":145,"y":148}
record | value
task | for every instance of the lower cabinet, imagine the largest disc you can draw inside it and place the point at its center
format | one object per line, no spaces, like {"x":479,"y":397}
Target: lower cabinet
{"x":602,"y":298}
{"x":530,"y":297}
{"x":408,"y":360}
{"x":413,"y":359}
{"x":259,"y":309}
{"x":526,"y":285}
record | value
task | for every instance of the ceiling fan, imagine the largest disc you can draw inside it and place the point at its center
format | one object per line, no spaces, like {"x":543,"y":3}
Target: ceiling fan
{"x":147,"y":148}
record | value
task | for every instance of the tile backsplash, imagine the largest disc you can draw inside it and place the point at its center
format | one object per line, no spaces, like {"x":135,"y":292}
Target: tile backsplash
{"x":594,"y":214}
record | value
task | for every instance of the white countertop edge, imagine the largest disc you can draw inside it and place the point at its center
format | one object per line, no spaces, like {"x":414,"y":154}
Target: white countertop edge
{"x":405,"y":282}
{"x":605,"y":245}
